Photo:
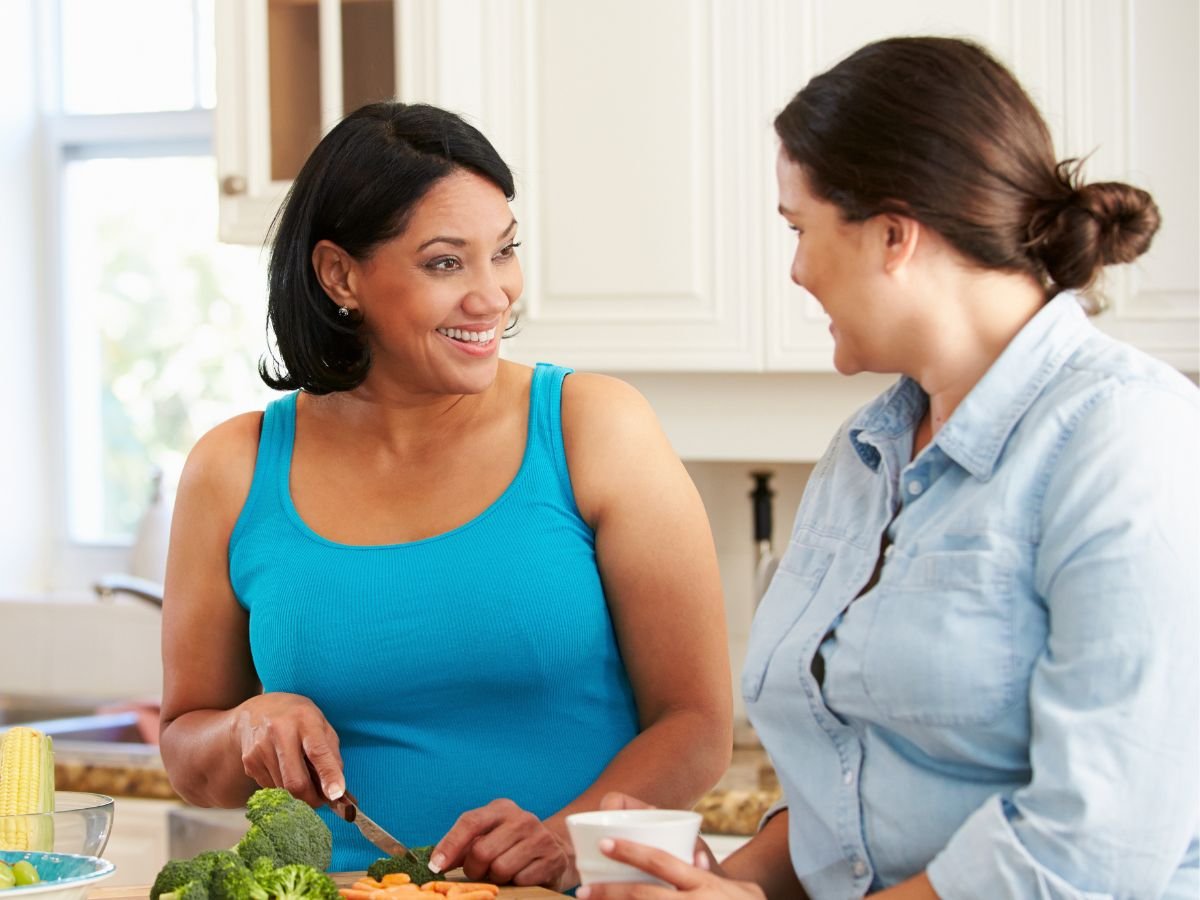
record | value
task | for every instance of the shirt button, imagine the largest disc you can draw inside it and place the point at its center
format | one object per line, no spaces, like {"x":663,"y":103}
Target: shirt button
{"x":915,"y":487}
{"x":887,"y":552}
{"x":848,"y":778}
{"x":860,"y":868}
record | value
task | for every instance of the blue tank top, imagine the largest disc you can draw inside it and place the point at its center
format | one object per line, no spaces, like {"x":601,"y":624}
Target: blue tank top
{"x":472,"y":665}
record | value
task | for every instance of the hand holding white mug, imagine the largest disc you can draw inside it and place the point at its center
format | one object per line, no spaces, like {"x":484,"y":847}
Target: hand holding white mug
{"x":697,"y":881}
{"x":704,"y":857}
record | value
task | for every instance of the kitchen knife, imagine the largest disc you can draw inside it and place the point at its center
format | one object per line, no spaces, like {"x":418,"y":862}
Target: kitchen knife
{"x":767,"y":561}
{"x":347,"y":807}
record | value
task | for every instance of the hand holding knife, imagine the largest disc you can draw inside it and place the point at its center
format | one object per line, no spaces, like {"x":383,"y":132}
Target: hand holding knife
{"x":347,"y":807}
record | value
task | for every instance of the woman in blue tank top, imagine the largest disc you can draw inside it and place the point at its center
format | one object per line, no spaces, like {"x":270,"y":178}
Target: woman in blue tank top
{"x":479,"y":595}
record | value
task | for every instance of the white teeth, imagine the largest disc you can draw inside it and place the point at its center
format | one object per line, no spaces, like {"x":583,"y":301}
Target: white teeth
{"x":469,"y":337}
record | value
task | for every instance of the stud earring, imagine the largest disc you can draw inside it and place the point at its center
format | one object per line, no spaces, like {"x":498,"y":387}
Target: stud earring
{"x":343,"y":311}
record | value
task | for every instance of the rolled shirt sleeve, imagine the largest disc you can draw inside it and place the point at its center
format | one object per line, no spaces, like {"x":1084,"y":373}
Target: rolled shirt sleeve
{"x":1115,"y":697}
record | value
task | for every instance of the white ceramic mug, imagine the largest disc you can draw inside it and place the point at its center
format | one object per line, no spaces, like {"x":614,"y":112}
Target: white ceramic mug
{"x":672,"y":830}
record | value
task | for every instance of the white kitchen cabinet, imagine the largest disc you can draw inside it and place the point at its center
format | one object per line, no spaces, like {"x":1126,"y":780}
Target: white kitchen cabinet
{"x":287,"y":70}
{"x":640,"y":134}
{"x":1133,"y":86}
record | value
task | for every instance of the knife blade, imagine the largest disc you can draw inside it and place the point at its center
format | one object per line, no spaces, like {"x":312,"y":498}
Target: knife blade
{"x":347,"y":807}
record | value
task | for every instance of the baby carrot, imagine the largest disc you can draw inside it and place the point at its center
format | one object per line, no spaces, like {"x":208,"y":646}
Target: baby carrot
{"x":457,"y":887}
{"x":470,"y":895}
{"x":355,"y":893}
{"x":396,"y":878}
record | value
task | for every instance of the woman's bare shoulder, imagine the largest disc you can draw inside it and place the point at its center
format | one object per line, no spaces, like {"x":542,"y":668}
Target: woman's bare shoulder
{"x":220,"y":467}
{"x":600,"y":405}
{"x":614,"y":444}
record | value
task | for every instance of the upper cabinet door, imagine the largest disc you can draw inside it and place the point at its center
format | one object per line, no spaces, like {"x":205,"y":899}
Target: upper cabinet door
{"x":287,"y":70}
{"x":1132,"y":87}
{"x":638,"y":133}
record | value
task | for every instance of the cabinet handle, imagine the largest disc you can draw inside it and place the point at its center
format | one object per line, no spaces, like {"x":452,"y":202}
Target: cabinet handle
{"x":232,"y":185}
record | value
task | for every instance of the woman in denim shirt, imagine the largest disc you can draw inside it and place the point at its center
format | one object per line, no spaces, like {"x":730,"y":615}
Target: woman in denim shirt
{"x":976,"y":669}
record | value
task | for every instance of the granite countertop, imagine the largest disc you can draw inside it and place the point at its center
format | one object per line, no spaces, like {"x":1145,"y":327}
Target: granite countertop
{"x":738,"y":801}
{"x":734,"y":806}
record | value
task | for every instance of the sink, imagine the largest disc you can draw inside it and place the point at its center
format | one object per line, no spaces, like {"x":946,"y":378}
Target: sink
{"x":99,"y":746}
{"x":107,"y":728}
{"x":72,"y":720}
{"x":89,"y":731}
{"x":16,"y":709}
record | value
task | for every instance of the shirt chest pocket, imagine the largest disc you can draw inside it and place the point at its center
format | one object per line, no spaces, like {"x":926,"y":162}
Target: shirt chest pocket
{"x":792,"y":589}
{"x":940,"y":648}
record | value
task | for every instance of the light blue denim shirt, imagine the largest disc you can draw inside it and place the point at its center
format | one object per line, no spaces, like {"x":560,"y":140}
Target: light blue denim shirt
{"x":1015,"y":705}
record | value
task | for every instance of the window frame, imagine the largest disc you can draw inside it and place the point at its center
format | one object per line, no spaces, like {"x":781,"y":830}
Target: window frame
{"x":65,"y":137}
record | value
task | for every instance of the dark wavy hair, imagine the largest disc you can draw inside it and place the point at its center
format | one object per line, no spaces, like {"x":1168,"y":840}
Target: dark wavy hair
{"x":357,"y":189}
{"x":937,"y":129}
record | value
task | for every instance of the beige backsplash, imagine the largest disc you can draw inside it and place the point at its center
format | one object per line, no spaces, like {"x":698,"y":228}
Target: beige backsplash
{"x":81,"y":647}
{"x":725,"y":488}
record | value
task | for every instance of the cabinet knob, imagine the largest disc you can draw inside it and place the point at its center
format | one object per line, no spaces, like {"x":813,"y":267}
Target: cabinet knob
{"x":232,"y":185}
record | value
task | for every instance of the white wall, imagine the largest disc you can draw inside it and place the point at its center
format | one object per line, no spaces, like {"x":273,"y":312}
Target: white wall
{"x":25,"y":529}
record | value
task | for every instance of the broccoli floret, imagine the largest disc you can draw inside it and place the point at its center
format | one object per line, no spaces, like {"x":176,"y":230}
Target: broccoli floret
{"x":292,"y":831}
{"x":284,"y":832}
{"x":179,"y":875}
{"x":267,"y":800}
{"x":233,"y":880}
{"x":211,"y":859}
{"x":418,"y":872}
{"x":262,"y":868}
{"x":256,"y":845}
{"x":193,"y":890}
{"x":300,"y":882}
{"x":190,"y":879}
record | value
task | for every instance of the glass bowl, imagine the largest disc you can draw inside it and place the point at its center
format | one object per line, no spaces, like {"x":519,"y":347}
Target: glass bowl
{"x":80,"y":824}
{"x":64,"y":876}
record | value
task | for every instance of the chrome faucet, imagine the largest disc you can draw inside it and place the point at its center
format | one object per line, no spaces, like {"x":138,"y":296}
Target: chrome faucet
{"x":108,"y":586}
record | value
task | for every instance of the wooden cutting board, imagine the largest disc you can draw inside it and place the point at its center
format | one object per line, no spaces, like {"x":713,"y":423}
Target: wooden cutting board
{"x":343,"y":879}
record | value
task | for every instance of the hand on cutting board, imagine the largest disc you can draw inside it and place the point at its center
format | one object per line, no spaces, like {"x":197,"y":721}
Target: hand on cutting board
{"x":504,"y":844}
{"x":286,"y":742}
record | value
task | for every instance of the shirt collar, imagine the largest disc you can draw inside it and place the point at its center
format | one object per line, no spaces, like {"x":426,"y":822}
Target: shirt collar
{"x":980,"y":426}
{"x":978,"y":429}
{"x":891,"y":415}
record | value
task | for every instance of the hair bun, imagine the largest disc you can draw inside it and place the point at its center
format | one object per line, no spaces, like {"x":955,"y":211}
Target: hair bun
{"x":1127,"y":218}
{"x":1093,"y":226}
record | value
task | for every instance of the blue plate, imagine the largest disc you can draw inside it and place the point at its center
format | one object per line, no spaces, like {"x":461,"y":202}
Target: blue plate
{"x":60,"y":873}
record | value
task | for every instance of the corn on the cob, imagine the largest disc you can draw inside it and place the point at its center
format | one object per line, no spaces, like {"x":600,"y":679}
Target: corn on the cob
{"x":26,"y":788}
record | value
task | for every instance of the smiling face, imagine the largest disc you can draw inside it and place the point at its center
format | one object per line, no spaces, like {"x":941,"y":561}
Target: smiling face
{"x":435,"y":299}
{"x":840,"y":264}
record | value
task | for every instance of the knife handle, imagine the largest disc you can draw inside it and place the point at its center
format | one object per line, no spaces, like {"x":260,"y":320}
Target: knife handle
{"x":345,"y":806}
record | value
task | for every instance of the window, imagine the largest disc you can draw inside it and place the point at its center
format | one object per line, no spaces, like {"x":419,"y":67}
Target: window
{"x":160,"y":325}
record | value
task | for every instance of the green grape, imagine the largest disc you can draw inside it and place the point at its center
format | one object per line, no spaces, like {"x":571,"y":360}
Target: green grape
{"x":25,"y":873}
{"x":7,"y":878}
